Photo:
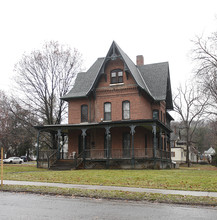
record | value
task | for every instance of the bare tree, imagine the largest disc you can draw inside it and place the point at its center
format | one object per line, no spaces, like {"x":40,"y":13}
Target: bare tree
{"x":4,"y":121}
{"x":46,"y":75}
{"x":190,"y":106}
{"x":16,"y":131}
{"x":205,"y":56}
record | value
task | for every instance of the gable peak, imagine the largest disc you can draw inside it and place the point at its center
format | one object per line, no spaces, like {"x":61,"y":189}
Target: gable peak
{"x":113,"y":52}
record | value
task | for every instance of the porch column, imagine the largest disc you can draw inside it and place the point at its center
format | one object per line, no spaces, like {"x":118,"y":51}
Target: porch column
{"x":154,"y":131}
{"x":62,"y":146}
{"x":58,"y":143}
{"x":165,"y":147}
{"x":168,"y":139}
{"x":84,"y":147}
{"x":132,"y":132}
{"x":37,"y":147}
{"x":107,"y":132}
{"x":161,"y":144}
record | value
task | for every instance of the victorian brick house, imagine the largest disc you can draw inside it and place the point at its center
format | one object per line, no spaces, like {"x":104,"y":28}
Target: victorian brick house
{"x":118,"y":114}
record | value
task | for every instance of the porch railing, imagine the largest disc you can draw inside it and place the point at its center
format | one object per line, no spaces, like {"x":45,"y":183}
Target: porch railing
{"x":45,"y":158}
{"x":124,"y":153}
{"x":52,"y":158}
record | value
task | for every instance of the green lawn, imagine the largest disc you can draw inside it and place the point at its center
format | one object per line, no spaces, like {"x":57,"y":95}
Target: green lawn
{"x":202,"y":178}
{"x":151,"y":197}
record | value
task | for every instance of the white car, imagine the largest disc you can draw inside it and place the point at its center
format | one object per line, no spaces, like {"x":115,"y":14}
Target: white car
{"x":13,"y":160}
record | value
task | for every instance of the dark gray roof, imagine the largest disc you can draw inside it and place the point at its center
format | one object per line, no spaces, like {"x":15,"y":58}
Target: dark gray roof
{"x":84,"y":81}
{"x":154,"y":79}
{"x":157,"y":78}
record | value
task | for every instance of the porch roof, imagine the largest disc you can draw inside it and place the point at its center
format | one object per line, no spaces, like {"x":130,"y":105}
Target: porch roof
{"x":66,"y":127}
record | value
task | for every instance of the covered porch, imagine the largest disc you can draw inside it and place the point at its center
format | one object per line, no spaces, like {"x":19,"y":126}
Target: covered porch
{"x":121,"y":144}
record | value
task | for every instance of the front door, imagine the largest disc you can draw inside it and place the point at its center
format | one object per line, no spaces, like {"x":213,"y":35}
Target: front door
{"x":126,"y":145}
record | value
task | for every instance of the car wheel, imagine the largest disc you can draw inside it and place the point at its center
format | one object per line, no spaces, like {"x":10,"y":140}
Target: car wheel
{"x":20,"y":162}
{"x":10,"y":162}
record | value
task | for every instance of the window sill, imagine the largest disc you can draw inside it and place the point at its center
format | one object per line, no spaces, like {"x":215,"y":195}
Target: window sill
{"x":116,"y":84}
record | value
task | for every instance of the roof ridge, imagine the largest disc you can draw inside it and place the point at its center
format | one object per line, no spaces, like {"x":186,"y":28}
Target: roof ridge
{"x":144,"y":81}
{"x":96,"y":74}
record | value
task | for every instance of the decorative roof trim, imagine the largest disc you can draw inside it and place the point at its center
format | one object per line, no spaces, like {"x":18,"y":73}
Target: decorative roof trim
{"x":97,"y":75}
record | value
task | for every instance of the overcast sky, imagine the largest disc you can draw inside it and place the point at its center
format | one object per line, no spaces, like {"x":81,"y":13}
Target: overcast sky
{"x":160,"y":30}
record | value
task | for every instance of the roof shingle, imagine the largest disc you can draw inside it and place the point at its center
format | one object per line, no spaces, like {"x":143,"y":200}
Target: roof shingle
{"x":154,"y":79}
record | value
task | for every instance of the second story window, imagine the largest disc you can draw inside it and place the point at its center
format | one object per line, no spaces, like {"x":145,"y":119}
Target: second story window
{"x":126,"y":110}
{"x":107,"y":111}
{"x":155,"y":114}
{"x":116,"y":76}
{"x":84,"y":113}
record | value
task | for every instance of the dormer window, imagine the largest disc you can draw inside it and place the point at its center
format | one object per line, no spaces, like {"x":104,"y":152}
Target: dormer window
{"x":116,"y":76}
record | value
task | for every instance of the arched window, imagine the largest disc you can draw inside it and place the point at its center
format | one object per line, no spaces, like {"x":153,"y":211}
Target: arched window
{"x":84,"y":113}
{"x":116,"y":76}
{"x":126,"y":110}
{"x":107,"y":111}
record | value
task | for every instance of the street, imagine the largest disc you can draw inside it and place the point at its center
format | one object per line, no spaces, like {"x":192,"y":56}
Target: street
{"x":30,"y":206}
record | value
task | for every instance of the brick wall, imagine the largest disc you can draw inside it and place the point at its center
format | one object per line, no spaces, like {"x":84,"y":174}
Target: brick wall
{"x":73,"y":141}
{"x":141,"y":106}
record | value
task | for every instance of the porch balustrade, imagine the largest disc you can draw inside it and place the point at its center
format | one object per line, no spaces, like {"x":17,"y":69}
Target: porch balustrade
{"x":46,"y":158}
{"x":45,"y":154}
{"x":124,"y":153}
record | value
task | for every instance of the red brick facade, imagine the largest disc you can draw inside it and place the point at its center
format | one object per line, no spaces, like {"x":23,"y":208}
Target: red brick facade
{"x":118,"y":114}
{"x":141,"y":107}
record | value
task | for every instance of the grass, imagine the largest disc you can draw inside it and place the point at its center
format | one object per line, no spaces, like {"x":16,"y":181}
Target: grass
{"x":135,"y":196}
{"x":198,"y":178}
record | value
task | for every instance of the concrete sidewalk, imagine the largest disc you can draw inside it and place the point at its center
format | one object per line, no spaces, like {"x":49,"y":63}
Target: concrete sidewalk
{"x":129,"y":189}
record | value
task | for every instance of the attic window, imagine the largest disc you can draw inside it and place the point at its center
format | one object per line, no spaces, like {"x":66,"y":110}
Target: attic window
{"x":116,"y":76}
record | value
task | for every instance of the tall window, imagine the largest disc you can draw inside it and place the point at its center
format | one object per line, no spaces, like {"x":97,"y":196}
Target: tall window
{"x":126,"y":110}
{"x":84,"y":113}
{"x":107,"y":111}
{"x":155,"y":114}
{"x":116,"y":76}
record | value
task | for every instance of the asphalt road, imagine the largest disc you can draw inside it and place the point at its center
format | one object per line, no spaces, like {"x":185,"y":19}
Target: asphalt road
{"x":29,"y":206}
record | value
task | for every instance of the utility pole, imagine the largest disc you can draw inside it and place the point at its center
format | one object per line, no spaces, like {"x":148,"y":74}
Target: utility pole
{"x":1,"y":166}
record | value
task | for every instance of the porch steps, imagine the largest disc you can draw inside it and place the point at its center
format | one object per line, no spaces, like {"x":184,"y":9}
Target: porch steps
{"x":63,"y":165}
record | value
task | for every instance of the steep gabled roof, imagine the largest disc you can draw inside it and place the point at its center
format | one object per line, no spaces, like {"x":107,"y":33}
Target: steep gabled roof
{"x":84,"y":81}
{"x":154,"y":79}
{"x":157,"y":77}
{"x":133,"y":69}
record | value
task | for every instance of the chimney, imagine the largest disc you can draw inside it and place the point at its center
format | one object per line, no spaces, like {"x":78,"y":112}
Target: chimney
{"x":139,"y":60}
